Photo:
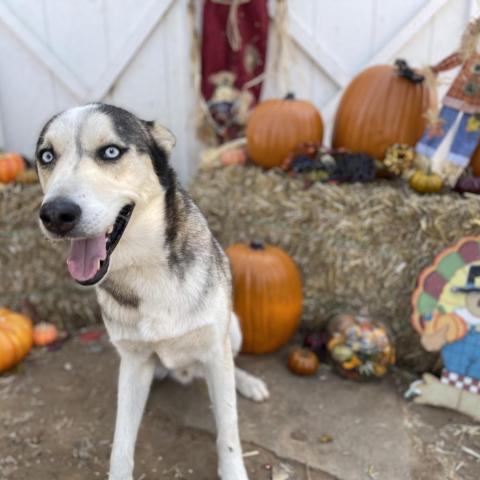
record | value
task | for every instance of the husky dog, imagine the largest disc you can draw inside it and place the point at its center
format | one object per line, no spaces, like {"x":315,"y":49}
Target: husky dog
{"x":162,"y":281}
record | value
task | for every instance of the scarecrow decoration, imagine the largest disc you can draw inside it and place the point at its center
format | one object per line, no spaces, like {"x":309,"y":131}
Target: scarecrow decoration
{"x":232,"y":48}
{"x":453,"y":135}
{"x":446,"y":313}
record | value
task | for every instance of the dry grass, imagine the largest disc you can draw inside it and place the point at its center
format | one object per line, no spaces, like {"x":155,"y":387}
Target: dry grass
{"x":358,"y":245}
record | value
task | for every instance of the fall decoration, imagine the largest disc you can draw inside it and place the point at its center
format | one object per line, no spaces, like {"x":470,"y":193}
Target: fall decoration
{"x":276,"y":127}
{"x":454,"y":326}
{"x":11,"y":164}
{"x":44,"y":333}
{"x":359,"y":347}
{"x":399,"y":158}
{"x":446,"y":314}
{"x":425,"y":182}
{"x":303,"y":361}
{"x":318,"y":163}
{"x":475,"y":162}
{"x":267,"y":291}
{"x":236,"y":156}
{"x":468,"y":184}
{"x":381,"y":106}
{"x":15,"y":338}
{"x":388,"y":230}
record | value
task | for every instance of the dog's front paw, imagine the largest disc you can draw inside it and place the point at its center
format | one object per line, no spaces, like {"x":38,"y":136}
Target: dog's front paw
{"x":250,"y":386}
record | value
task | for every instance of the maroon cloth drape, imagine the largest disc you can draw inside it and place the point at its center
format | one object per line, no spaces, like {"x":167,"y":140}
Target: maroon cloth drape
{"x":217,"y":54}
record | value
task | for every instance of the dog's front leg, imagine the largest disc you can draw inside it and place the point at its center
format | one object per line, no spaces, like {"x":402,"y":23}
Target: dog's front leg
{"x":220,"y":375}
{"x":136,"y":374}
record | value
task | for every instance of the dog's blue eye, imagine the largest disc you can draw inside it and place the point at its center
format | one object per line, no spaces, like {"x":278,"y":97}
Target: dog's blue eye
{"x":110,"y":153}
{"x":47,"y":156}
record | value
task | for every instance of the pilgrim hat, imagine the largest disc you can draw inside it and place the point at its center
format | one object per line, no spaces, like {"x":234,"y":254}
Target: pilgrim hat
{"x":470,"y":286}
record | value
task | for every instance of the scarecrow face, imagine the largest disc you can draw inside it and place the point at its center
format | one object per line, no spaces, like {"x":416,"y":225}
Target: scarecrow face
{"x":473,"y":303}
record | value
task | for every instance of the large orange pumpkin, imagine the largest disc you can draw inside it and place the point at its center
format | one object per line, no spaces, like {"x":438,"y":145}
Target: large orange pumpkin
{"x":276,"y":127}
{"x":380,"y":108}
{"x":16,"y":338}
{"x":268,"y":297}
{"x":11,"y":164}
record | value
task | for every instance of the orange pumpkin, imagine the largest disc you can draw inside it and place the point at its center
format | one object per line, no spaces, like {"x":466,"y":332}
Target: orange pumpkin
{"x":475,"y":162}
{"x":303,"y":361}
{"x":276,"y":127}
{"x":44,"y":333}
{"x":11,"y":164}
{"x":15,"y":338}
{"x":380,"y":108}
{"x":268,"y":297}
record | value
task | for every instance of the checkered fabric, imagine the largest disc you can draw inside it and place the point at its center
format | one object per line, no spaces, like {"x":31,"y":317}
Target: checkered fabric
{"x":464,"y":94}
{"x":460,"y":381}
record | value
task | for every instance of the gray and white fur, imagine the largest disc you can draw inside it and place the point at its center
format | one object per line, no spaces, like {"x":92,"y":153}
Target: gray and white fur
{"x":165,"y":287}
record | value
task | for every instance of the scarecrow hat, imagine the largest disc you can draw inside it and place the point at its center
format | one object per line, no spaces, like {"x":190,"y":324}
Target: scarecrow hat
{"x":470,"y":286}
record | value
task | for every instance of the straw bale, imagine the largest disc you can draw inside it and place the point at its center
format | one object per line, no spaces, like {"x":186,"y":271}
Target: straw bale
{"x":357,"y":245}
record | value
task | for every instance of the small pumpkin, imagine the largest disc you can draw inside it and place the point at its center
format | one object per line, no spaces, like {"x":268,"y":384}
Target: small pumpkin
{"x":276,"y":127}
{"x":267,"y":292}
{"x":303,"y":361}
{"x":235,"y":156}
{"x":383,"y":105}
{"x":426,"y":182}
{"x":11,"y":165}
{"x":16,"y":338}
{"x":44,"y":333}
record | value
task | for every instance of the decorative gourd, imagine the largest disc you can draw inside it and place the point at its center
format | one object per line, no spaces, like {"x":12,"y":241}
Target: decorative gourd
{"x":268,"y":297}
{"x":11,"y":164}
{"x":426,"y":182}
{"x":44,"y":333}
{"x":276,"y":127}
{"x":468,"y":185}
{"x":303,"y":361}
{"x":379,"y":108}
{"x":15,"y":338}
{"x":234,"y":156}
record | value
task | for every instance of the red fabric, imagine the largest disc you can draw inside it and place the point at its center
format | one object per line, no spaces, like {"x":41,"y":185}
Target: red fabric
{"x":217,"y":54}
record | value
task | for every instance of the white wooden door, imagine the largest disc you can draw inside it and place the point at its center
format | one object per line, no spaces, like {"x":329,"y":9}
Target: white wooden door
{"x":55,"y":54}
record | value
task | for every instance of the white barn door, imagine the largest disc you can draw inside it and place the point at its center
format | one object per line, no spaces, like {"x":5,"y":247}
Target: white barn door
{"x":55,"y":54}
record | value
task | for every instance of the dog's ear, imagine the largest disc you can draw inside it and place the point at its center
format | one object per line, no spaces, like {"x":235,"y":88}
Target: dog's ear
{"x":162,"y":136}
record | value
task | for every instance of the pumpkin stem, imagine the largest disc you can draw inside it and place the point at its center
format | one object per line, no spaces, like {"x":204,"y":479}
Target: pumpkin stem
{"x":257,"y":245}
{"x":290,"y":96}
{"x":405,"y":71}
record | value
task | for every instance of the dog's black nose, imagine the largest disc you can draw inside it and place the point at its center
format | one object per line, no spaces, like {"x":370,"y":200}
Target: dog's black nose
{"x":60,"y":215}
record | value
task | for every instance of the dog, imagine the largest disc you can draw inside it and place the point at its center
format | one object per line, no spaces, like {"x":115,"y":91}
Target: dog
{"x":162,"y":281}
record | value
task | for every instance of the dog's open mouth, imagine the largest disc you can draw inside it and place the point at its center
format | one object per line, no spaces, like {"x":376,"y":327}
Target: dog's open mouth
{"x":89,"y":258}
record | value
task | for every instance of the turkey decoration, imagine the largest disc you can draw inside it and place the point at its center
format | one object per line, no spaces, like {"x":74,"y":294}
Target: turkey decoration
{"x":446,"y":313}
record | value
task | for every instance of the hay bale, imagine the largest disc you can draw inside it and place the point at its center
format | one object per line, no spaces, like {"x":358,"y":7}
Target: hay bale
{"x":34,"y":268}
{"x":360,"y":245}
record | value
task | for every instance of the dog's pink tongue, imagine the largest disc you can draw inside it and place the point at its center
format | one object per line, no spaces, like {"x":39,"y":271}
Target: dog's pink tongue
{"x":84,"y":257}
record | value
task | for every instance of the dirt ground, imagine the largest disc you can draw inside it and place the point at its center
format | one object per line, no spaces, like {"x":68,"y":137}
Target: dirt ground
{"x":57,"y":417}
